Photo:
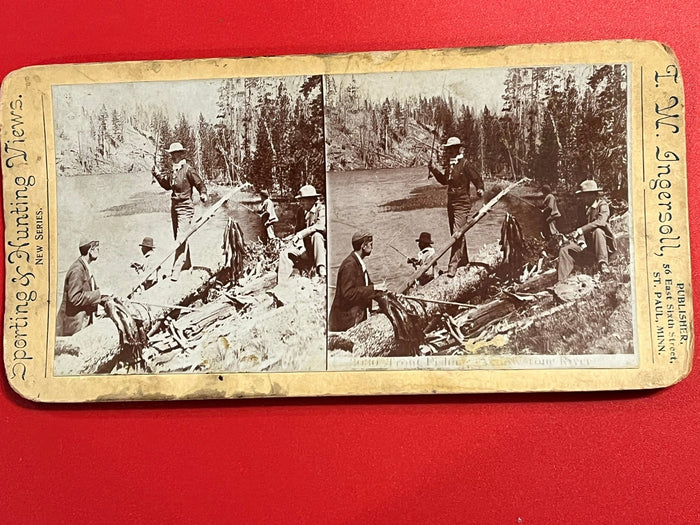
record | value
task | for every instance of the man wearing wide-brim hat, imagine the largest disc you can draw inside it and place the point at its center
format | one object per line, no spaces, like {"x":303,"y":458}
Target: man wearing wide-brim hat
{"x":458,"y":176}
{"x":180,"y":181}
{"x":594,"y":241}
{"x":81,"y":296}
{"x":425,"y":252}
{"x":145,"y":265}
{"x":309,"y":241}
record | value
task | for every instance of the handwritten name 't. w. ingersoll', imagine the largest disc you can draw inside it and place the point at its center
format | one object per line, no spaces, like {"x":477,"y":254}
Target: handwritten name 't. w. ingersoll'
{"x":661,"y":184}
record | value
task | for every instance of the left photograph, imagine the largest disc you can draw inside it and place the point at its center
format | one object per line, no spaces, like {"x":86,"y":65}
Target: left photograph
{"x":191,"y":226}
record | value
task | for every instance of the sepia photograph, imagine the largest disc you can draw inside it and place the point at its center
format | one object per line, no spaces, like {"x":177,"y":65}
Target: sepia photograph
{"x":480,"y":218}
{"x":414,"y":222}
{"x":191,"y":226}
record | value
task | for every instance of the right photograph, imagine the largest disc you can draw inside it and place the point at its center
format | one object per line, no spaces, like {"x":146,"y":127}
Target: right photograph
{"x":479,"y":218}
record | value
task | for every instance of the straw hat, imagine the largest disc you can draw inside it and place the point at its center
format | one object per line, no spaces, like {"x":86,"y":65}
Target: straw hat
{"x":453,"y":141}
{"x":175,"y":146}
{"x":307,"y":191}
{"x":589,"y":186}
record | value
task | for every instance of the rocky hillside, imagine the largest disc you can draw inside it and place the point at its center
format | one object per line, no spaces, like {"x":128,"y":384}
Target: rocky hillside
{"x":89,"y":144}
{"x":353,"y":144}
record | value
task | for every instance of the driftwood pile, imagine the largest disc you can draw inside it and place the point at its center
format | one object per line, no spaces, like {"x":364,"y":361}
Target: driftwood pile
{"x":520,"y":290}
{"x":141,"y":333}
{"x":97,"y":348}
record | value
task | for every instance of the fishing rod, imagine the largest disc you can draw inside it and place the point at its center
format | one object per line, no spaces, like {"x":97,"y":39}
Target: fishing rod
{"x":251,"y":210}
{"x":523,"y":200}
{"x":399,"y":251}
{"x":172,"y":306}
{"x":435,"y":301}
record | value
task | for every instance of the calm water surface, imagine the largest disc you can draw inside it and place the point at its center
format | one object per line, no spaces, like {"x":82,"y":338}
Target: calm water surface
{"x":120,"y":210}
{"x":357,"y":200}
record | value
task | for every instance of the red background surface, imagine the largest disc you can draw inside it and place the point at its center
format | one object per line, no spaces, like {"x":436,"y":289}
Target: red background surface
{"x":567,"y":458}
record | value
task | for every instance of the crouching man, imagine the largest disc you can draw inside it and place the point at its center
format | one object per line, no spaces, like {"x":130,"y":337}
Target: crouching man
{"x":594,"y":241}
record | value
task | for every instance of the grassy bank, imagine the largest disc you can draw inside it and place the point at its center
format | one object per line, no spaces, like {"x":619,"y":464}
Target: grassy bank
{"x":599,"y":323}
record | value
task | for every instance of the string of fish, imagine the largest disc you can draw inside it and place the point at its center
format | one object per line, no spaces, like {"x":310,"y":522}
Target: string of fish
{"x":234,"y":250}
{"x":511,"y":246}
{"x":133,"y":322}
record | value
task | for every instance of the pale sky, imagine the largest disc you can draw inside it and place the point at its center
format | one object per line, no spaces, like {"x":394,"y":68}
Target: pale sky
{"x":474,"y":87}
{"x":190,"y":97}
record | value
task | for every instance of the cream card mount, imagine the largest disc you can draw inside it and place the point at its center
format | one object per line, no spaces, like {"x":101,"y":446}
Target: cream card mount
{"x":508,"y":219}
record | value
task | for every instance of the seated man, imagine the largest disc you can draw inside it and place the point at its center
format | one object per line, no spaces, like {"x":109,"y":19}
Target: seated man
{"x":81,"y":296}
{"x":355,"y":290}
{"x":309,"y":241}
{"x":145,"y":266}
{"x":425,"y":252}
{"x":594,"y":241}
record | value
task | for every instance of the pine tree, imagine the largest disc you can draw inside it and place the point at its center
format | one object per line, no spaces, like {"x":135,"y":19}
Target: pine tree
{"x":546,"y":160}
{"x":184,"y":134}
{"x":264,"y":158}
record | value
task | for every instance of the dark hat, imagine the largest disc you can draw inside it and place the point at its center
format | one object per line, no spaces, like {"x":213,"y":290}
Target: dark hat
{"x":424,"y":237}
{"x":87,"y":242}
{"x":264,"y":193}
{"x":359,"y":238}
{"x":147,"y":242}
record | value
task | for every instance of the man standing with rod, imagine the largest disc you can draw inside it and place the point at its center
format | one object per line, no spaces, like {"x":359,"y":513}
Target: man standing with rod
{"x":458,"y":176}
{"x":181,"y":181}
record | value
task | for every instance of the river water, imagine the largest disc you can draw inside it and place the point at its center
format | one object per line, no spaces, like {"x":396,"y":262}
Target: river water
{"x":120,"y":210}
{"x":358,"y":200}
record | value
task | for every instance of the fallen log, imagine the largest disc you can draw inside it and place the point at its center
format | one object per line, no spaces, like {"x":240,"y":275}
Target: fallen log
{"x":375,"y":336}
{"x":194,"y":228}
{"x":264,"y":282}
{"x":96,"y":349}
{"x":405,"y":285}
{"x":479,"y":317}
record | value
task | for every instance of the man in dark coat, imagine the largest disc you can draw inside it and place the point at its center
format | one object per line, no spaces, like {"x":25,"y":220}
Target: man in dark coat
{"x":594,"y":241}
{"x":354,"y":289}
{"x":80,"y":293}
{"x":181,"y":181}
{"x":458,"y":176}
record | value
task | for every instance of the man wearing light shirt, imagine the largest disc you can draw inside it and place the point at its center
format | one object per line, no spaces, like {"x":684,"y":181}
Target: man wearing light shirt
{"x":355,"y":290}
{"x":594,"y":241}
{"x":181,"y":181}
